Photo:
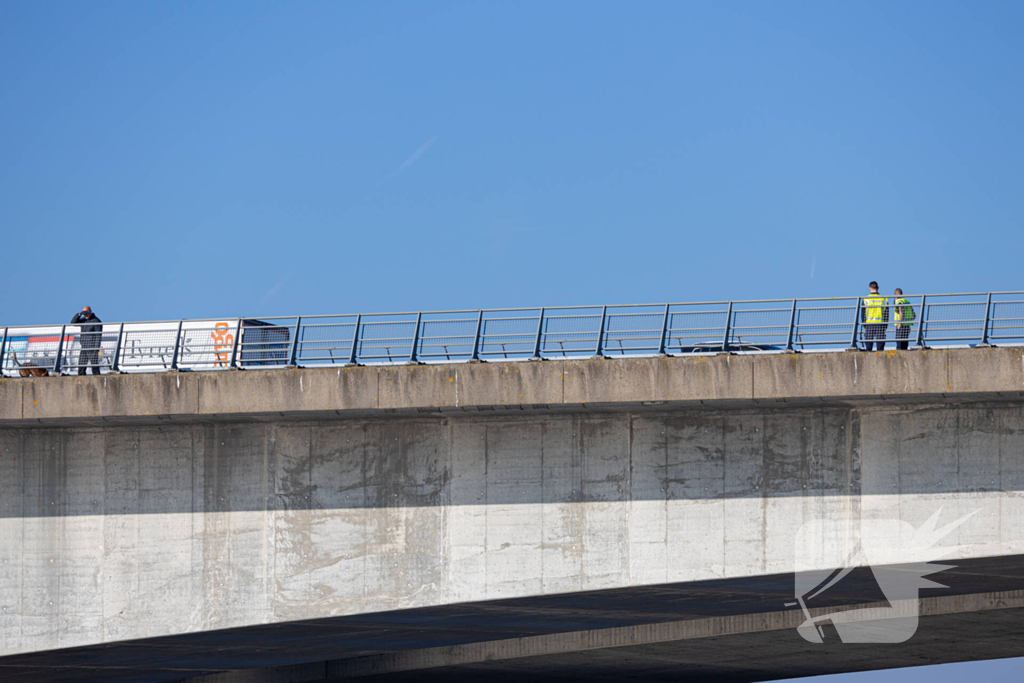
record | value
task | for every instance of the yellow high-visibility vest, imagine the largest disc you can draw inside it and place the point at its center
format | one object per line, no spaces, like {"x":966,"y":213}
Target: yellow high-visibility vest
{"x":875,"y":308}
{"x":904,"y":311}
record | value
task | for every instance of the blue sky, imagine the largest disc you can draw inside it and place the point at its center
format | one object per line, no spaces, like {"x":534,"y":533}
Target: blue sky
{"x":186,"y":159}
{"x":166,"y":160}
{"x":996,"y":671}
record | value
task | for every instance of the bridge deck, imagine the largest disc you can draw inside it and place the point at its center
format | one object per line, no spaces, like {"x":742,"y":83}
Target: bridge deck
{"x":573,"y":385}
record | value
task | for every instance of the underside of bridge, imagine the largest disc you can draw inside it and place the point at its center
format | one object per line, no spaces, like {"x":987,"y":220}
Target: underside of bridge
{"x":726,"y":630}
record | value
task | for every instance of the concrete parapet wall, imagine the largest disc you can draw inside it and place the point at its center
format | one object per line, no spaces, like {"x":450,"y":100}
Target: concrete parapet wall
{"x":570,"y":384}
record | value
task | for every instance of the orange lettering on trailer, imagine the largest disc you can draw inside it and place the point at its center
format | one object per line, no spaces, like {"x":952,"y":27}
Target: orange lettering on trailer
{"x":222,"y":343}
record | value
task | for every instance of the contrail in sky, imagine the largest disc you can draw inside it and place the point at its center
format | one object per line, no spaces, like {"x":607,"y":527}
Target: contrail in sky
{"x":415,"y":155}
{"x":273,"y":290}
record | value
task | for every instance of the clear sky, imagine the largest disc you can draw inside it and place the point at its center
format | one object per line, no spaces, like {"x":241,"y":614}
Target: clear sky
{"x":996,"y":671}
{"x":180,"y":159}
{"x":196,"y":159}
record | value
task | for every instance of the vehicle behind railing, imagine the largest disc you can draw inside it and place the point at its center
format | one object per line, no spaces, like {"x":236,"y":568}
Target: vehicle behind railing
{"x":679,"y":329}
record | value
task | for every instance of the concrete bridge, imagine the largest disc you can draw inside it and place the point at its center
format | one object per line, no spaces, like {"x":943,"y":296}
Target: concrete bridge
{"x":632,"y":517}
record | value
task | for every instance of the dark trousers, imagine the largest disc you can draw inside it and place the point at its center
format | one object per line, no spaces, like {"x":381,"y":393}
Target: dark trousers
{"x":903,"y":337}
{"x":874,"y":331}
{"x":89,"y":358}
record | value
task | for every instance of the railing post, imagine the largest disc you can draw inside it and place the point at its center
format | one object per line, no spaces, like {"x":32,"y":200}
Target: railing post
{"x":600,"y":332}
{"x":3,"y":349}
{"x":476,"y":336}
{"x":177,"y":343}
{"x":792,"y":320}
{"x":664,"y":332}
{"x":115,"y":364}
{"x":234,"y":347}
{"x":60,"y":349}
{"x":920,"y":324}
{"x":984,"y":330}
{"x":415,"y":338}
{"x":856,"y":322}
{"x":355,"y":340}
{"x":728,"y":324}
{"x":295,"y":343}
{"x":536,"y":343}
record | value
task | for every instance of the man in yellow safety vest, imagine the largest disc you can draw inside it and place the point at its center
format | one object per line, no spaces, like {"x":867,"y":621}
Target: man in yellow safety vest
{"x":874,"y":314}
{"x":903,"y":314}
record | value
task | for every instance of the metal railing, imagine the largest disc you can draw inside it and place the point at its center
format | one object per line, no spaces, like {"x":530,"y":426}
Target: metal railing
{"x":767,"y":326}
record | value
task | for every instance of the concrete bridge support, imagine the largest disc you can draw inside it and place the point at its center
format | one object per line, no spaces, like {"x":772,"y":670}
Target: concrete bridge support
{"x":261,"y":497}
{"x":126,"y":532}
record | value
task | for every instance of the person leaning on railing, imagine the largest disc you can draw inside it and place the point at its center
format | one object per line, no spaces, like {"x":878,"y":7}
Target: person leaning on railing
{"x":874,"y":314}
{"x":904,"y":315}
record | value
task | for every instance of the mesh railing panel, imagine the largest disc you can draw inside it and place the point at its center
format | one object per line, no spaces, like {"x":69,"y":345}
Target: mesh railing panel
{"x":954,"y":322}
{"x":690,"y":331}
{"x":265,"y":345}
{"x":323,"y":340}
{"x":386,"y":341}
{"x":819,"y":326}
{"x":508,"y":337}
{"x":31,"y":348}
{"x":148,"y":349}
{"x":766,"y":327}
{"x":632,"y":333}
{"x":325,"y":343}
{"x":446,"y":339}
{"x":1007,"y":322}
{"x":570,"y":334}
{"x":206,"y":346}
{"x":95,"y":354}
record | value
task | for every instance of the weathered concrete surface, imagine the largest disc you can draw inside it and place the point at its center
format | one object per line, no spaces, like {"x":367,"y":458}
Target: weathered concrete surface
{"x":878,"y":373}
{"x":353,"y":388}
{"x":470,"y":384}
{"x":701,"y":378}
{"x":113,"y":533}
{"x":974,"y":369}
{"x":127,"y":395}
{"x":11,"y":399}
{"x":944,"y":374}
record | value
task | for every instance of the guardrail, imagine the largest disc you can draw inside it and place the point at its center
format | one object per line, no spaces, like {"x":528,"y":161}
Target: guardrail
{"x":766,"y":326}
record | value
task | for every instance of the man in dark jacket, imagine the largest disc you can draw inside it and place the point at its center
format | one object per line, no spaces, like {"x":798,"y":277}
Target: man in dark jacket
{"x":89,"y":339}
